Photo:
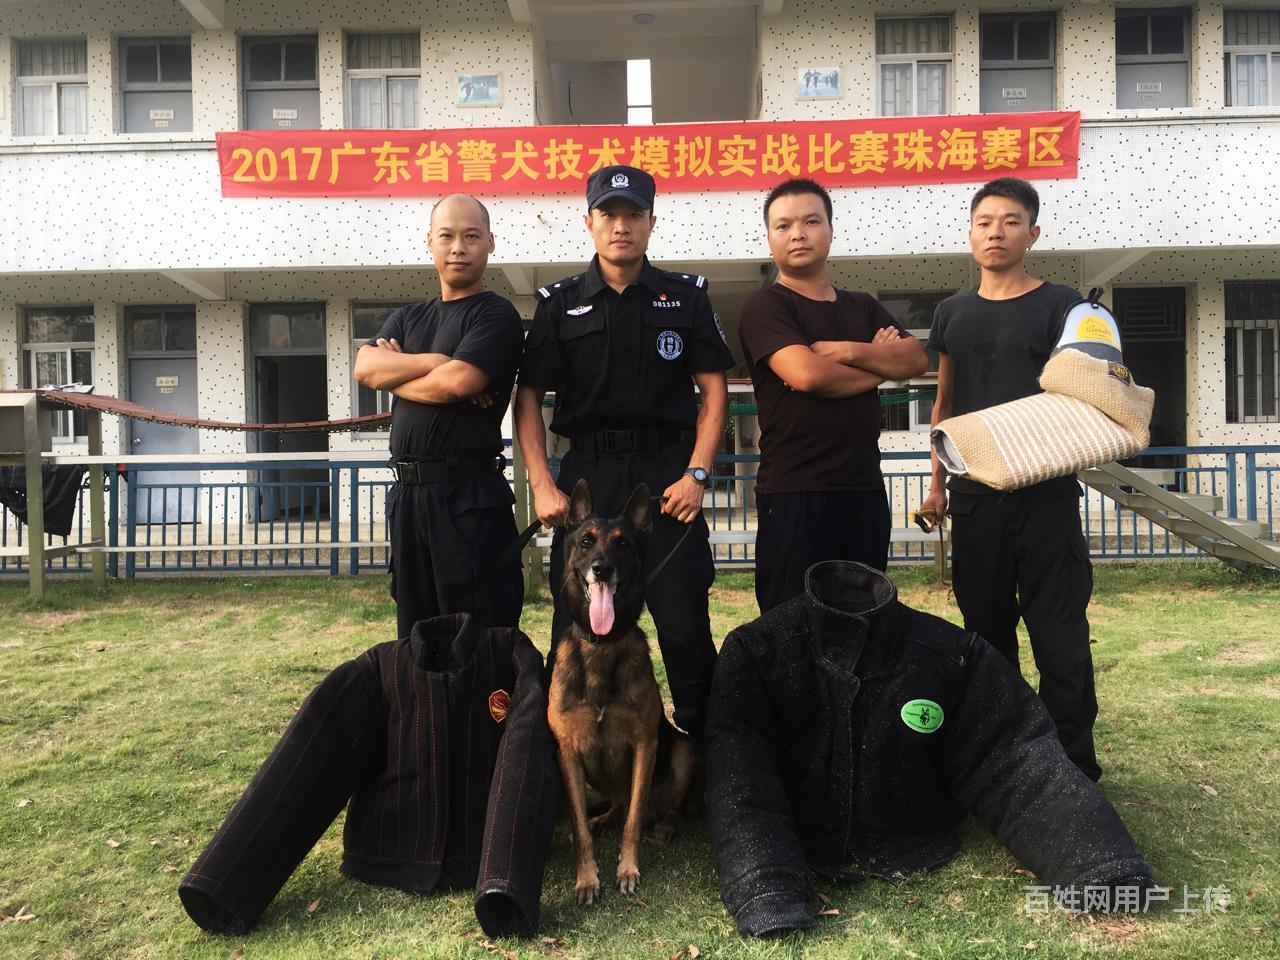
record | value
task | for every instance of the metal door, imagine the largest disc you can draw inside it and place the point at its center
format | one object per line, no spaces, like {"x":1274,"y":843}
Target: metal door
{"x":1015,"y":91}
{"x":157,"y":111}
{"x":169,"y":384}
{"x":283,"y":109}
{"x":1149,"y":85}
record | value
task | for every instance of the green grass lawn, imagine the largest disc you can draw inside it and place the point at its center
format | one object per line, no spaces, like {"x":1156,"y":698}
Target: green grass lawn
{"x":130,"y":720}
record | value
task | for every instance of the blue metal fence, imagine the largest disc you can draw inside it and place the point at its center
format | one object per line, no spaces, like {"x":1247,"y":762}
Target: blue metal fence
{"x":250,"y":521}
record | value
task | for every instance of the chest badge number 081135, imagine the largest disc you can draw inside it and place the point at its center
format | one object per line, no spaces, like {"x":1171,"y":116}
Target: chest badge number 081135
{"x":670,"y":345}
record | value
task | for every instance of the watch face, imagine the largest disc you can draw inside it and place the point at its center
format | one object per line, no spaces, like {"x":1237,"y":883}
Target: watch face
{"x":698,"y":474}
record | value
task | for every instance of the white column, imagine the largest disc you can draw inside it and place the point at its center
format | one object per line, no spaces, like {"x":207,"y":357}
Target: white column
{"x":965,"y":68}
{"x":7,"y":72}
{"x":10,"y":344}
{"x":1206,"y":361}
{"x":215,"y":76}
{"x":1087,"y":56}
{"x":108,"y":368}
{"x":222,"y":389}
{"x":104,"y":101}
{"x":331,"y":58}
{"x":1207,"y":80}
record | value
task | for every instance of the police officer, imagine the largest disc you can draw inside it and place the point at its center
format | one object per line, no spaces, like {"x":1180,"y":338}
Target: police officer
{"x":622,"y":344}
{"x":451,"y":363}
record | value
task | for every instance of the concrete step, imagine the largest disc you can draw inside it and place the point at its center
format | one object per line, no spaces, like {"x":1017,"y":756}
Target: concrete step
{"x":1253,"y":529}
{"x":1156,"y":475}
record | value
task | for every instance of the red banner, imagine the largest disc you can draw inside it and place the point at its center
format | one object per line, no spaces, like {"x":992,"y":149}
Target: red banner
{"x":682,"y":157}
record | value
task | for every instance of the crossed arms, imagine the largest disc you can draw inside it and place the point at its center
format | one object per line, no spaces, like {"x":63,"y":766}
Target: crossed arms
{"x":422,"y":377}
{"x":846,"y":368}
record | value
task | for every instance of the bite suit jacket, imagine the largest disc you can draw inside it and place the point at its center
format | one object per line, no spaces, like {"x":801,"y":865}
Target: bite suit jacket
{"x":851,"y":734}
{"x":440,"y":743}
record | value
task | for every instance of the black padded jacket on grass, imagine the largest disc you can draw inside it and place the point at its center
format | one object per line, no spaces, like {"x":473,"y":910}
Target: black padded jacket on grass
{"x":440,"y":743}
{"x":849,"y":734}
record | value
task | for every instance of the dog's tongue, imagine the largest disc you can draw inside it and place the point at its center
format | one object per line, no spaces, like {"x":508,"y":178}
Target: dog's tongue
{"x":600,"y":596}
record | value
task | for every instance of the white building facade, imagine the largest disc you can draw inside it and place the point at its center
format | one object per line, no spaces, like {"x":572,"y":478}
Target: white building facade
{"x":122,"y":264}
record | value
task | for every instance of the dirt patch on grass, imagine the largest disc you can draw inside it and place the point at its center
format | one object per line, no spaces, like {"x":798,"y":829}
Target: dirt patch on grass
{"x":1161,"y":645}
{"x":1247,"y":654}
{"x":1268,"y":688}
{"x":55,"y":619}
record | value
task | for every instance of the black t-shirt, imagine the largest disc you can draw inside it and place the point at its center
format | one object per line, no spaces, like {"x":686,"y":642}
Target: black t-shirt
{"x":623,"y":360}
{"x":809,"y":442}
{"x":484,"y":330}
{"x":998,"y":349}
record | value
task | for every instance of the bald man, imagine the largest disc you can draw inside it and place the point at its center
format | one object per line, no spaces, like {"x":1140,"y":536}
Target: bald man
{"x":451,"y":363}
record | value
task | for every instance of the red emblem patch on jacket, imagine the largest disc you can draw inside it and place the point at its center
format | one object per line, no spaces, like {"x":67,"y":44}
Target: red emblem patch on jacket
{"x":499,"y":701}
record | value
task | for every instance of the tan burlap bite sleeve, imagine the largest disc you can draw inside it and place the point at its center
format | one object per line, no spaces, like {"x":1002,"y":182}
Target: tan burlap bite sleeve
{"x":1091,"y":413}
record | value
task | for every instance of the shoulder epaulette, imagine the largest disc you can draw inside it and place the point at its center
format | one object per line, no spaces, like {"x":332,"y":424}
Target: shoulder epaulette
{"x":547,"y":292}
{"x":692,"y":278}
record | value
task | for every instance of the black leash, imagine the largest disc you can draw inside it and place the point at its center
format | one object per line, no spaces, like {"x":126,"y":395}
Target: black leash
{"x":522,"y":540}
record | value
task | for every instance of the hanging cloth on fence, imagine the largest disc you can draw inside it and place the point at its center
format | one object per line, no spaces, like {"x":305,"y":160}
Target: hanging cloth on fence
{"x":61,"y":493}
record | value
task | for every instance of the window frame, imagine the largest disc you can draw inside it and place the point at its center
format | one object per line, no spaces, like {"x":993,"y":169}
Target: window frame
{"x":56,"y":81}
{"x":915,"y":60}
{"x":381,"y":397}
{"x":1269,"y":52}
{"x":1133,"y":13}
{"x":282,"y":39}
{"x":152,"y":86}
{"x":1239,"y":327}
{"x":385,"y":74}
{"x":131,"y":313}
{"x":64,"y":421}
{"x":1017,"y":19}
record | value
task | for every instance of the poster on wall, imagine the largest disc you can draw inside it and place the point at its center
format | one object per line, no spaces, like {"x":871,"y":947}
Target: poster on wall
{"x":480,"y":90}
{"x":697,"y":157}
{"x":818,"y":83}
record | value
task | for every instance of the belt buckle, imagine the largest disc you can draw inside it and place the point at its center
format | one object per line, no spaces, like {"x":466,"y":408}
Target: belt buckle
{"x":407,"y":471}
{"x":618,"y":441}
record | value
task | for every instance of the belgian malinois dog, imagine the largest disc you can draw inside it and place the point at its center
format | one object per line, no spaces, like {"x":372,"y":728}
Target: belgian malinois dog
{"x":604,"y":706}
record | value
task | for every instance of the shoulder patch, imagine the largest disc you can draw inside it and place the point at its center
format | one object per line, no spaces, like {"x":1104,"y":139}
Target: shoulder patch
{"x":690,"y":278}
{"x":551,"y":289}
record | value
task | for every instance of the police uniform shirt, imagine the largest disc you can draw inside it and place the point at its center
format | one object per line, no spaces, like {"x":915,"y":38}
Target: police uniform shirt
{"x":483,"y":330}
{"x":620,"y":360}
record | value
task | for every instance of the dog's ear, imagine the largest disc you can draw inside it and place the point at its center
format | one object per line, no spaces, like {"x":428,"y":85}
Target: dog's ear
{"x":579,"y":503}
{"x":637,"y":508}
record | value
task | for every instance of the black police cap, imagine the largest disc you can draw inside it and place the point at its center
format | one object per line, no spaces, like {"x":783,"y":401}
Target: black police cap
{"x":619,"y":181}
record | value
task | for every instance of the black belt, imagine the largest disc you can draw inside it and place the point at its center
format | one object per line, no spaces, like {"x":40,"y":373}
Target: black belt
{"x":633,"y":440}
{"x":444,"y":468}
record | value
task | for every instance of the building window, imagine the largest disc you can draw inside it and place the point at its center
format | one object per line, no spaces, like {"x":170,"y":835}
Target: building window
{"x":915,"y":312}
{"x":383,"y":75}
{"x":156,"y":84}
{"x":913,"y":63}
{"x":57,"y":349}
{"x":639,"y":93}
{"x":1016,"y":69}
{"x":1153,"y":67}
{"x":281,"y":83}
{"x":366,"y":321}
{"x":53,"y":88}
{"x":160,"y":330}
{"x":1253,"y":351}
{"x":1251,"y":41}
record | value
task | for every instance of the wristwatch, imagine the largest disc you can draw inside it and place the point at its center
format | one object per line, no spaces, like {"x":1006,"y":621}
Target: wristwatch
{"x":699,"y":475}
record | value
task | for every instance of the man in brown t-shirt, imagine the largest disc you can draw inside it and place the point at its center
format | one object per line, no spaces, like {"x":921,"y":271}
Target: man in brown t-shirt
{"x":817,"y":355}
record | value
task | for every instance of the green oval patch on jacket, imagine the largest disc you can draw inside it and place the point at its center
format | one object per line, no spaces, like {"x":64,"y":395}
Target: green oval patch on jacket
{"x":922,"y":716}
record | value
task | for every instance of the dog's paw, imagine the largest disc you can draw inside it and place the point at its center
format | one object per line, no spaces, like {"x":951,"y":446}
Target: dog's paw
{"x":599,"y":822}
{"x":661,"y":834}
{"x":588,"y":888}
{"x":628,"y":879}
